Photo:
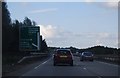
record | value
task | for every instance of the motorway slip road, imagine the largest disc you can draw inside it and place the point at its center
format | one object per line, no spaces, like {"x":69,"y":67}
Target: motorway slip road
{"x":85,"y":68}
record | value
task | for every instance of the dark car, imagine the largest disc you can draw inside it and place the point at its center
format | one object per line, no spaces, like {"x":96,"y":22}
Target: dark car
{"x":86,"y":56}
{"x":63,"y":56}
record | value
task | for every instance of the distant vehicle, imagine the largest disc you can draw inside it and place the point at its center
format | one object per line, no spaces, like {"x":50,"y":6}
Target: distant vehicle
{"x":86,"y":56}
{"x":63,"y":56}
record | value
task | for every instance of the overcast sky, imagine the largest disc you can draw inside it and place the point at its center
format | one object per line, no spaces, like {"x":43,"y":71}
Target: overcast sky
{"x":79,"y":24}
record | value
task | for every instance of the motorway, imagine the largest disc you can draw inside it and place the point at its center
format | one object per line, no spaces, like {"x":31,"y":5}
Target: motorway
{"x":85,"y":68}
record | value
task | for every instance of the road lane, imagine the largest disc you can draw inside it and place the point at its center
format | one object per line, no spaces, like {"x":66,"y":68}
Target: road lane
{"x":84,"y":68}
{"x":26,"y":68}
{"x":47,"y":69}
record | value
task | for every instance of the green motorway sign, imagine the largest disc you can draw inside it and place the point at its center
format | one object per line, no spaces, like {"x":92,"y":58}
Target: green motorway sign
{"x":29,"y":38}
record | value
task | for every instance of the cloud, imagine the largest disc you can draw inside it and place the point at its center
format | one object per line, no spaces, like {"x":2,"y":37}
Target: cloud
{"x":89,"y":0}
{"x":101,"y":0}
{"x":113,"y":0}
{"x":94,"y":35}
{"x":24,"y":3}
{"x":47,"y":31}
{"x":111,"y":4}
{"x":43,"y":10}
{"x":56,"y":36}
{"x":107,"y":39}
{"x":106,"y":3}
{"x":59,"y":0}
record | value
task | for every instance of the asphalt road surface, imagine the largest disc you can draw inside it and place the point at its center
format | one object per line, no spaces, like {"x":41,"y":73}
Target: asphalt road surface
{"x":85,"y":68}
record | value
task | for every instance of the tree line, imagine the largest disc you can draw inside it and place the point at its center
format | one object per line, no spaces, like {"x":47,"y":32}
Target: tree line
{"x":10,"y":32}
{"x":97,"y":50}
{"x":102,"y":50}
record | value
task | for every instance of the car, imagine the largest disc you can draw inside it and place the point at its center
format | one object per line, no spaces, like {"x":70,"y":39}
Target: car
{"x":63,"y":56}
{"x":86,"y":56}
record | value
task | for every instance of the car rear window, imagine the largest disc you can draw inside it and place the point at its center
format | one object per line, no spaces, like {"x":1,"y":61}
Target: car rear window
{"x":63,"y":52}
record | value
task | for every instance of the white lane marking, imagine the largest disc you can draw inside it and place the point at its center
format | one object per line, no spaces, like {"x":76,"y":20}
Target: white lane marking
{"x":108,"y":64}
{"x":41,"y":64}
{"x":37,"y":66}
{"x":84,"y":68}
{"x":44,"y":62}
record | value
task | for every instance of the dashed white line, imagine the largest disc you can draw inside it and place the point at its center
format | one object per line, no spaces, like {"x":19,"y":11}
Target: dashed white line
{"x":37,"y":66}
{"x":44,"y":62}
{"x":41,"y":64}
{"x":84,"y":68}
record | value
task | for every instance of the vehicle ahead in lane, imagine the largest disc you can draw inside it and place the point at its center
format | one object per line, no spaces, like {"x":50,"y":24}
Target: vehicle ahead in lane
{"x":86,"y":56}
{"x":63,"y":56}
